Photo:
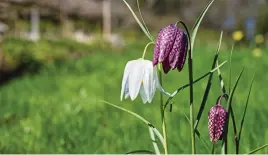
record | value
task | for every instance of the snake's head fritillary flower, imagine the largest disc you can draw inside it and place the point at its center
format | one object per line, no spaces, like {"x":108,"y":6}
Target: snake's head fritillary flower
{"x":139,"y":77}
{"x":216,"y":120}
{"x":171,"y":48}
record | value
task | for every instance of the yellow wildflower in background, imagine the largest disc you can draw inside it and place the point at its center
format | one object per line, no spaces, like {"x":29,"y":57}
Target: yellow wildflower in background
{"x":257,"y":52}
{"x":238,"y":35}
{"x":259,"y":39}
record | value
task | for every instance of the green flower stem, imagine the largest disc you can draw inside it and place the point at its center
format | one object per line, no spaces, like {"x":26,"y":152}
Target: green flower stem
{"x":190,"y":65}
{"x":145,"y":49}
{"x":163,"y":112}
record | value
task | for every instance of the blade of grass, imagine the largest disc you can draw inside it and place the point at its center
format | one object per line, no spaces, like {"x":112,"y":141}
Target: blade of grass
{"x":258,"y":149}
{"x":229,"y":104}
{"x":128,"y":111}
{"x":202,"y":140}
{"x":190,"y":71}
{"x":158,"y":134}
{"x":138,"y":21}
{"x":153,"y":140}
{"x":226,"y":96}
{"x":198,"y":133}
{"x":187,"y":85}
{"x":138,"y":4}
{"x":230,"y":68}
{"x":245,"y":111}
{"x":138,"y":117}
{"x":197,"y":24}
{"x":209,"y":83}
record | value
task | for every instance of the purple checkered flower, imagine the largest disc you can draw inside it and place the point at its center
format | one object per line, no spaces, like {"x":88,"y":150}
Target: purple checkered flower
{"x":171,"y":48}
{"x":216,"y":120}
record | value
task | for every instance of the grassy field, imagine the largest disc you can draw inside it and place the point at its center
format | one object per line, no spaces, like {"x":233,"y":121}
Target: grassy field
{"x":58,"y":109}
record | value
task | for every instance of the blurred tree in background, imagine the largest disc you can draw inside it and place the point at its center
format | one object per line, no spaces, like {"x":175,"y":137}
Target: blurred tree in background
{"x":233,"y":13}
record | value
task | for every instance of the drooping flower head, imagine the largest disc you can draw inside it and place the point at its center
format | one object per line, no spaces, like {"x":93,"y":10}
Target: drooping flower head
{"x":216,"y":120}
{"x":171,"y":48}
{"x":139,"y":77}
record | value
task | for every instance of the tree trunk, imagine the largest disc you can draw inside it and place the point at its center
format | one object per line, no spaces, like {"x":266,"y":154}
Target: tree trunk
{"x":107,"y":25}
{"x":35,"y":19}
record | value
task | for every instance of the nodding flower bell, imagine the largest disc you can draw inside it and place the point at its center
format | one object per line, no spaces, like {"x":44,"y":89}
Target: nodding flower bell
{"x":171,"y":48}
{"x":216,"y":120}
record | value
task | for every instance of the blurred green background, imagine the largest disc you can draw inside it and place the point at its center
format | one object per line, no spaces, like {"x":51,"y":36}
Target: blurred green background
{"x":56,"y":63}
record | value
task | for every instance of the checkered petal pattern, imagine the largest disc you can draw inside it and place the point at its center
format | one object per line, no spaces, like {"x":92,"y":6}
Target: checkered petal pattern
{"x":171,"y":48}
{"x":216,"y":120}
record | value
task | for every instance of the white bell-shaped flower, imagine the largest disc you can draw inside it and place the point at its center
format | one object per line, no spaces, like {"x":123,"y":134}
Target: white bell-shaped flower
{"x":140,"y":77}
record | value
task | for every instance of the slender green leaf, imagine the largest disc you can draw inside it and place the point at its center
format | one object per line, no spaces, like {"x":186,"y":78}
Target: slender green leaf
{"x":221,"y":81}
{"x":209,"y":83}
{"x":138,"y":4}
{"x":156,"y":149}
{"x":232,"y":112}
{"x":128,"y":111}
{"x":154,"y":130}
{"x":187,"y":85}
{"x":230,"y":68}
{"x":227,"y":97}
{"x":202,"y":140}
{"x":245,"y":110}
{"x":198,"y":133}
{"x":158,"y":134}
{"x":258,"y":149}
{"x":141,"y":152}
{"x":229,"y":104}
{"x":197,"y":24}
{"x":138,"y":21}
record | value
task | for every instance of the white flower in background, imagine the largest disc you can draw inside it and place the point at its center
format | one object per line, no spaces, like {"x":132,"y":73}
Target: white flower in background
{"x":140,"y":77}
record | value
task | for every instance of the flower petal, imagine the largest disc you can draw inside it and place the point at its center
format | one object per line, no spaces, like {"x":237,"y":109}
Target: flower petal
{"x":176,"y":50}
{"x":165,"y":65}
{"x":183,"y":55}
{"x":166,"y":41}
{"x":154,"y":82}
{"x":127,"y":91}
{"x":216,"y":122}
{"x":135,"y":78}
{"x":124,"y":87}
{"x":144,"y":96}
{"x":157,"y":48}
{"x":148,"y":79}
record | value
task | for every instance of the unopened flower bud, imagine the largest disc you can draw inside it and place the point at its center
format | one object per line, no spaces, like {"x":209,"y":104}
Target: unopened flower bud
{"x":216,"y":120}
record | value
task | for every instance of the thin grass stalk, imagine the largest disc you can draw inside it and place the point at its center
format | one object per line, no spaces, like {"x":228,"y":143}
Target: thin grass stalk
{"x":190,"y":70}
{"x":187,"y":85}
{"x":230,"y":68}
{"x":229,"y":104}
{"x":209,"y":83}
{"x":231,"y":111}
{"x":244,"y":113}
{"x":154,"y":130}
{"x":153,"y":140}
{"x":197,"y":133}
{"x":258,"y":149}
{"x":138,"y":4}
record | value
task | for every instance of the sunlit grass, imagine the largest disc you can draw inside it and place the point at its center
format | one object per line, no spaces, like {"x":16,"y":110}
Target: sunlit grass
{"x":57,"y":110}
